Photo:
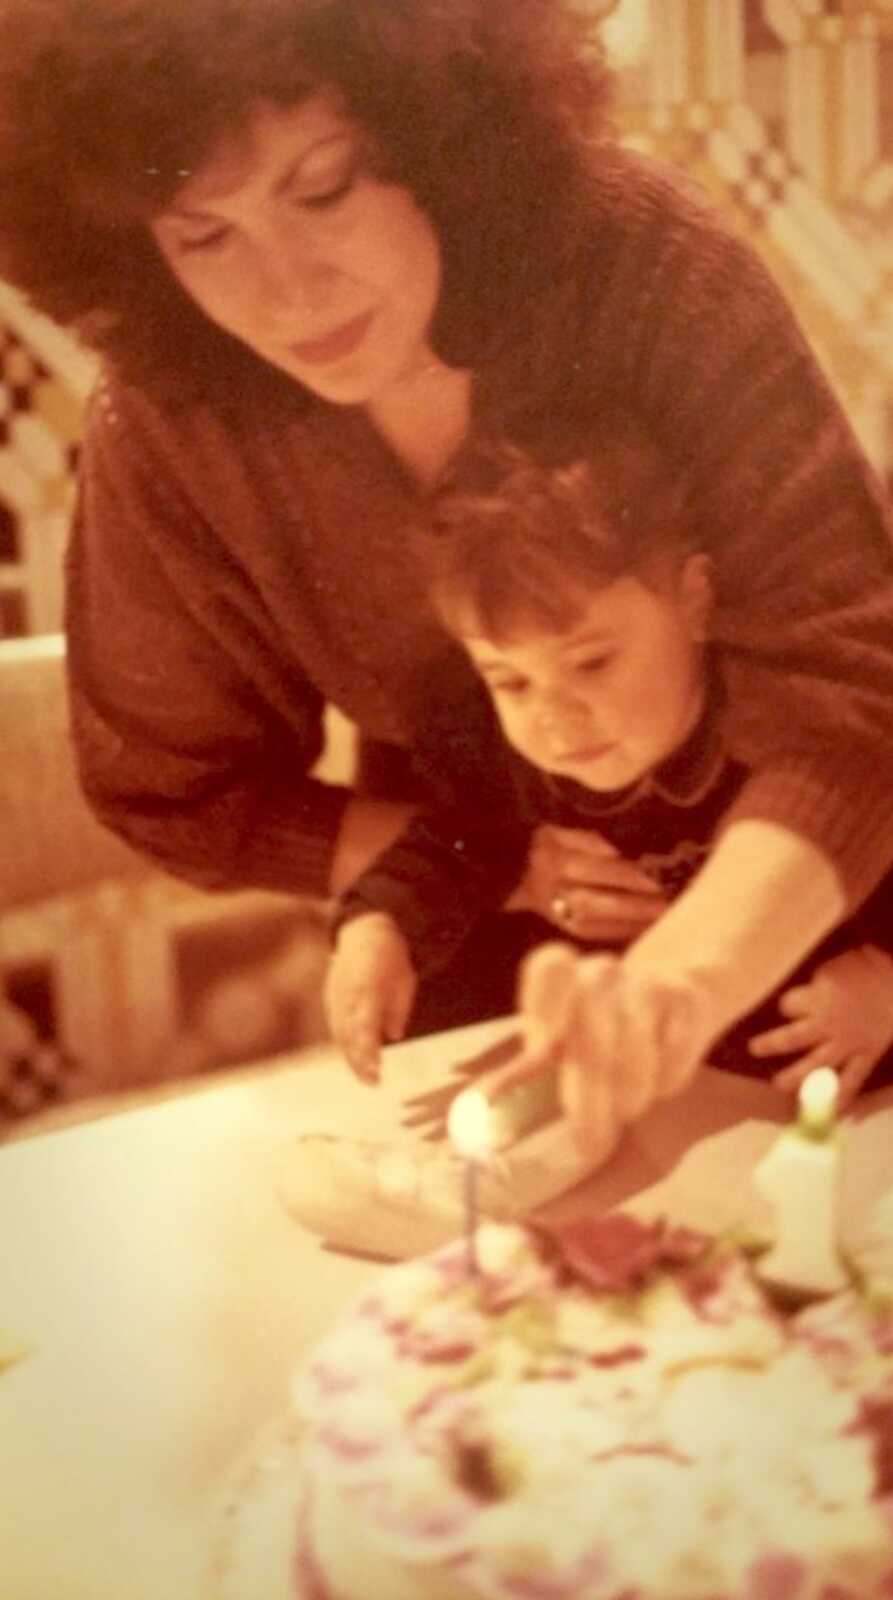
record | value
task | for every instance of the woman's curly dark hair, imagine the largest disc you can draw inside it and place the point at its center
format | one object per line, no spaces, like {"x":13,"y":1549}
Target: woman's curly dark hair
{"x":486,"y":110}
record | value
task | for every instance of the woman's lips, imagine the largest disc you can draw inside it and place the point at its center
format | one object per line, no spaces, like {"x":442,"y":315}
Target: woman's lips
{"x":587,"y":752}
{"x":334,"y":346}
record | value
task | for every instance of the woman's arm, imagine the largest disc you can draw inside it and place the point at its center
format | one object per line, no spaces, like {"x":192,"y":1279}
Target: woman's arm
{"x":626,"y":1031}
{"x":195,"y":738}
{"x":690,"y":330}
{"x":762,"y":900}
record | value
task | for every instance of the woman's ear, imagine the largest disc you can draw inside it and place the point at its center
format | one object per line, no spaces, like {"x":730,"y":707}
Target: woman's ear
{"x":696,"y":589}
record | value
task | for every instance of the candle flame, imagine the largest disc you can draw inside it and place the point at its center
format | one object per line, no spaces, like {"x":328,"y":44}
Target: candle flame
{"x":473,"y":1125}
{"x":818,"y":1099}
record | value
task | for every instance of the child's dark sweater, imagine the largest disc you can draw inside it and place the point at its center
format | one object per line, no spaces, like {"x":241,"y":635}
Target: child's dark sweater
{"x":455,"y":863}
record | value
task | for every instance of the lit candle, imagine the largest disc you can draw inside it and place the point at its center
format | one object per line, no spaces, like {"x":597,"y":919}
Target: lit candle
{"x":799,"y":1176}
{"x":502,"y":1108}
{"x":474,"y":1132}
{"x":472,"y":1212}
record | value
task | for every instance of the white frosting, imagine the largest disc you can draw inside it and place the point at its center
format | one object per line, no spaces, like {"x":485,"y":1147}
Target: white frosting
{"x":682,"y":1442}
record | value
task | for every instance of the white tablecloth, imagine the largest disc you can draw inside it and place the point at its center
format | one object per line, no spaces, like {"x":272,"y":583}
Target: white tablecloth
{"x":166,"y":1295}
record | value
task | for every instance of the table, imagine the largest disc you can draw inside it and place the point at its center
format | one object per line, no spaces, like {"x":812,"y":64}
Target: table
{"x":167,"y":1295}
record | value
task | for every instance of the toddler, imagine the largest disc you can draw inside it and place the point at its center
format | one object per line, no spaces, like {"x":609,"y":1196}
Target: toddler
{"x":582,"y":594}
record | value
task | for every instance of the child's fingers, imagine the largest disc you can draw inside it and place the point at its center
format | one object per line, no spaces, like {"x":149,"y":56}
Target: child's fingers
{"x":397,"y":1009}
{"x":853,"y":1075}
{"x":798,"y":1001}
{"x":359,"y":1035}
{"x":790,"y":1078}
{"x":783,"y":1041}
{"x":361,"y":1048}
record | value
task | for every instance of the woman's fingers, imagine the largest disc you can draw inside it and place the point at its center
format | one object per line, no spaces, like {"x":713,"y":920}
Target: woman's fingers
{"x":545,"y":991}
{"x":621,"y":1038}
{"x":587,"y":840}
{"x":606,"y":873}
{"x":589,"y":1103}
{"x":643,"y":1035}
{"x":577,"y":880}
{"x":611,"y":917}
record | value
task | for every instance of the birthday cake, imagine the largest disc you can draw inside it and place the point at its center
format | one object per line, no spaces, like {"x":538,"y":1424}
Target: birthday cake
{"x":612,"y":1411}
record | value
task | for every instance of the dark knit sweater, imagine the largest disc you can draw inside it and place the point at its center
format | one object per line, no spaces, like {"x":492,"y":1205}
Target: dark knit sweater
{"x":460,"y":859}
{"x":235,"y":566}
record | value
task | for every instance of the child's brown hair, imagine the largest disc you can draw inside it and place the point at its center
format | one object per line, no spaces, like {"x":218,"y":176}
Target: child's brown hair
{"x":516,"y":540}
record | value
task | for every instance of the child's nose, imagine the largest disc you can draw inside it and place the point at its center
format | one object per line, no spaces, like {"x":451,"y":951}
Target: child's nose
{"x":563,"y":719}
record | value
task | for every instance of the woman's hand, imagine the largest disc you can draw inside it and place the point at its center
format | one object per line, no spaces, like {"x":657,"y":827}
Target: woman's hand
{"x":842,"y":1018}
{"x":369,"y":991}
{"x":625,"y":1031}
{"x":577,"y":880}
{"x":621,"y":1036}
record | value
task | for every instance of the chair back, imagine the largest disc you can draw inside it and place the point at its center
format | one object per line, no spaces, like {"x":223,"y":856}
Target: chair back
{"x":50,"y":843}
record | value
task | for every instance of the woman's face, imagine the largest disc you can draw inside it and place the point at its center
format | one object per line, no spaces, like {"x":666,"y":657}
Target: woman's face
{"x":284,"y":239}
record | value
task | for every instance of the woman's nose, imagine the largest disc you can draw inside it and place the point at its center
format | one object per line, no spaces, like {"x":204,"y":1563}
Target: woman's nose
{"x":295,"y":271}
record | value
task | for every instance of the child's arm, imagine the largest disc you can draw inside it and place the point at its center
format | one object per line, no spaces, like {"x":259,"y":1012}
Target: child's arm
{"x":645,"y":1021}
{"x":405,"y":916}
{"x":842,"y":1018}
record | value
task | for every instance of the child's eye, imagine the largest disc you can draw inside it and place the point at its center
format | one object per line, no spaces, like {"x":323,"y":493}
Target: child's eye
{"x":508,"y":686}
{"x":591,"y":664}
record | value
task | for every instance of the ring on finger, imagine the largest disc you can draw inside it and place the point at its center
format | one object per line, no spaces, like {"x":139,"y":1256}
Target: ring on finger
{"x":562,"y":909}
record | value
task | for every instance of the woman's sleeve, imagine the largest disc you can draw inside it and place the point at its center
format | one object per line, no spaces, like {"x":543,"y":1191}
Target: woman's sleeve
{"x":182,"y":748}
{"x":791,"y":512}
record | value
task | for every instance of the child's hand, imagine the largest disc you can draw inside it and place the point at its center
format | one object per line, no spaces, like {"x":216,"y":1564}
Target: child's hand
{"x":370,"y":988}
{"x":843,"y":1018}
{"x":622,"y":1038}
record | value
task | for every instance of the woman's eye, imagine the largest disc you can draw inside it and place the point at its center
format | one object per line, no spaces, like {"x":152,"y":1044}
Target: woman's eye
{"x":330,"y":193}
{"x":592,"y":664}
{"x":214,"y":239}
{"x":509,"y":686}
{"x":328,"y":175}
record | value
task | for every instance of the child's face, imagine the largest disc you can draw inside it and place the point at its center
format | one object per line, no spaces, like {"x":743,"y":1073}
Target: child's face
{"x":610,"y":697}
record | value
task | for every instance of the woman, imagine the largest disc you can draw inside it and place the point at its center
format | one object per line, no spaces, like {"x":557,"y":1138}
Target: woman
{"x":321,"y":242}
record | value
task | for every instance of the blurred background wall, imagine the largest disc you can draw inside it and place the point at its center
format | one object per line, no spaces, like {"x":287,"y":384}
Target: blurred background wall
{"x":111,"y":975}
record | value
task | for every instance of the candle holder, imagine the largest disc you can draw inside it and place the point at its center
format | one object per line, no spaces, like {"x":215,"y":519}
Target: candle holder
{"x":799,"y":1176}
